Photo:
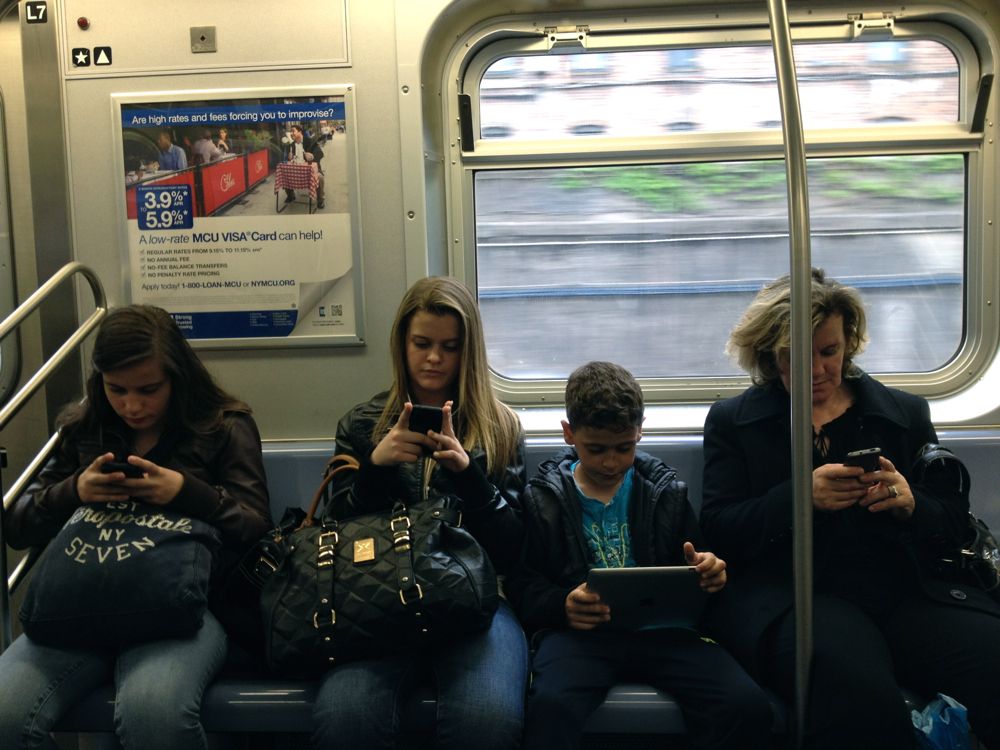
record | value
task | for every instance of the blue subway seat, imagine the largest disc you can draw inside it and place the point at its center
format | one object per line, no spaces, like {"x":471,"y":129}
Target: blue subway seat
{"x":271,"y":705}
{"x":274,"y":706}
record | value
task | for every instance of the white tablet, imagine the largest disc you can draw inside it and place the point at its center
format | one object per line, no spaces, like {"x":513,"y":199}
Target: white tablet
{"x":650,"y":598}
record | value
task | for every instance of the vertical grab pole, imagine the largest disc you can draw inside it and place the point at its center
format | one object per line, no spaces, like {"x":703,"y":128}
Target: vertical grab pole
{"x":801,"y":353}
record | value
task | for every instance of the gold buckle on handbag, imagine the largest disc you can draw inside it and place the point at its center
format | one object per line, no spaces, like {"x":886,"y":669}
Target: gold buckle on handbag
{"x":399,"y":519}
{"x":326,"y":553}
{"x":400,"y":537}
{"x":418,"y":597}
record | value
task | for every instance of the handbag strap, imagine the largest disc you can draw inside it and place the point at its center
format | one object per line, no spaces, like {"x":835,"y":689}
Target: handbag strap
{"x":402,"y":545}
{"x":338,"y":464}
{"x":325,"y":616}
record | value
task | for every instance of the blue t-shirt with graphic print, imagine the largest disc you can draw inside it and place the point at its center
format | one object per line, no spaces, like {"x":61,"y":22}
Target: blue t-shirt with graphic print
{"x":605,"y":527}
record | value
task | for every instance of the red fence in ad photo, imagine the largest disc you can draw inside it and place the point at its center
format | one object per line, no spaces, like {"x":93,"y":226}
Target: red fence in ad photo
{"x":257,"y":167}
{"x":221,"y":182}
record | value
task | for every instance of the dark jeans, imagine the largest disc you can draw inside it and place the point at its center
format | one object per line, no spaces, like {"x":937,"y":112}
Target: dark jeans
{"x":480,"y":693}
{"x":859,"y":662}
{"x":573,"y":671}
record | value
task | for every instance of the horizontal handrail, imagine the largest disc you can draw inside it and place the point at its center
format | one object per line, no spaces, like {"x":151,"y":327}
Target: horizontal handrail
{"x":22,"y":482}
{"x":29,"y":473}
{"x":22,"y":568}
{"x":43,"y":373}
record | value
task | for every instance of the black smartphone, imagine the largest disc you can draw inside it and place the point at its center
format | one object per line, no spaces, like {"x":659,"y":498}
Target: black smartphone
{"x":130,"y":471}
{"x":424,"y":418}
{"x":866,"y":458}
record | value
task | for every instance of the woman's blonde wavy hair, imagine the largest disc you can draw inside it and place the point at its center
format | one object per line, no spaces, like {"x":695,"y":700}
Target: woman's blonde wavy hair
{"x":763,"y":334}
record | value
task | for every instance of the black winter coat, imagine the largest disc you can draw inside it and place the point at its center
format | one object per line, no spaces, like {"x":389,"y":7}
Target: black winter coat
{"x":747,"y":506}
{"x":489,"y":504}
{"x":554,"y":559}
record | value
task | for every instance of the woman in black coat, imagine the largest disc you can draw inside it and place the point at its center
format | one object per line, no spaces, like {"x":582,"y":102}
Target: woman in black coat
{"x":885,"y":614}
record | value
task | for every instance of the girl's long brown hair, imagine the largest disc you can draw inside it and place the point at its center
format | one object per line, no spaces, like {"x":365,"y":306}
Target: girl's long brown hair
{"x":129,"y":335}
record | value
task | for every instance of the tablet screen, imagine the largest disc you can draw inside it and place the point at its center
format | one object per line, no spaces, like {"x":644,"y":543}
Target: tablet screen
{"x":650,"y":598}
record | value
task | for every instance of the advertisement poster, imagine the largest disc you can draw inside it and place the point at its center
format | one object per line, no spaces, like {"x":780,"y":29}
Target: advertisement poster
{"x":241,"y":216}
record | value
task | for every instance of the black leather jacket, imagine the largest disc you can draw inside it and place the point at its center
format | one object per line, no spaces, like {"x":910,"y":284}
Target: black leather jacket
{"x":490,"y":507}
{"x":224,"y":485}
{"x":555,"y":560}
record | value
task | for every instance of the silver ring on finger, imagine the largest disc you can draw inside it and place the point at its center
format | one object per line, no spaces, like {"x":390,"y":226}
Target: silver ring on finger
{"x":893,"y":492}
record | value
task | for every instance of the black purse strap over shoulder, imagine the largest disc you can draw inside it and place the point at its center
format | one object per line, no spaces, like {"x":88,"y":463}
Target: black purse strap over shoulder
{"x":935,"y":457}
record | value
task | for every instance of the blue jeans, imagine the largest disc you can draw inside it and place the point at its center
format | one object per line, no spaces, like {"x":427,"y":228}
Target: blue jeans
{"x":158,"y":688}
{"x":480,"y":680}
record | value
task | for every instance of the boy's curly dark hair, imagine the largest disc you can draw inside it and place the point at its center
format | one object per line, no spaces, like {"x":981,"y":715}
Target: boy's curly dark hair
{"x":604,"y":396}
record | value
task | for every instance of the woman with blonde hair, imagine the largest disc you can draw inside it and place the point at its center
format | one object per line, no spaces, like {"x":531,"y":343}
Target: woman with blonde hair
{"x":884,"y":613}
{"x":477,"y":455}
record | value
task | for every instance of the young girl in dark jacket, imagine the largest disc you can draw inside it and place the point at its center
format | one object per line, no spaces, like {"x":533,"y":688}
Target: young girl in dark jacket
{"x":150,"y":402}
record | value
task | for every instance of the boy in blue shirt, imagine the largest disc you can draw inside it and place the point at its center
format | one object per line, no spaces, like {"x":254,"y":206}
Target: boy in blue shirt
{"x":602,"y":503}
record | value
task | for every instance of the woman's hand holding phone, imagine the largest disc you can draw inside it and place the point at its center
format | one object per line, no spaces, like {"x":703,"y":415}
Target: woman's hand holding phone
{"x":891,"y":493}
{"x":159,"y":485}
{"x":106,"y":480}
{"x":449,"y":451}
{"x":122,"y":467}
{"x":407,"y":442}
{"x":402,"y":444}
{"x":96,"y":485}
{"x":836,"y":487}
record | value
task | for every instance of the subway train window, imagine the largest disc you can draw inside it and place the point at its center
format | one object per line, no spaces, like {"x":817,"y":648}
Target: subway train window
{"x":715,"y":89}
{"x":658,"y":261}
{"x":630,"y":200}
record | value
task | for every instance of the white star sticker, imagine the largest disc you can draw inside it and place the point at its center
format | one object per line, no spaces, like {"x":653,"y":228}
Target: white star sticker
{"x":81,"y":57}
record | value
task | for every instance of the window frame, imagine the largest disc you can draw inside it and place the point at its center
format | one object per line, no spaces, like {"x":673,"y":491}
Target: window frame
{"x":527,"y":35}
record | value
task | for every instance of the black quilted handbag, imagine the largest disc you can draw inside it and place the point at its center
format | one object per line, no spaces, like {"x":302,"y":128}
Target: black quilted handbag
{"x":393,"y":581}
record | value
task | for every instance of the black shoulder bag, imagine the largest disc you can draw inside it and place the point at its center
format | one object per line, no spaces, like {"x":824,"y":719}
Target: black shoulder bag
{"x":978,"y":559}
{"x":394,"y":581}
